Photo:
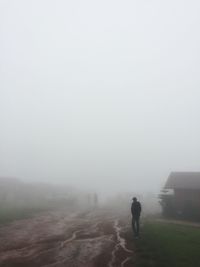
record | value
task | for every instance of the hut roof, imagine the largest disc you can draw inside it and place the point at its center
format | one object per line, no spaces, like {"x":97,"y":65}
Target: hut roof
{"x":183,"y":180}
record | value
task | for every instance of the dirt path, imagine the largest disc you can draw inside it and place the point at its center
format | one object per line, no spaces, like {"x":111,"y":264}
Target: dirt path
{"x":58,"y":239}
{"x":120,"y":254}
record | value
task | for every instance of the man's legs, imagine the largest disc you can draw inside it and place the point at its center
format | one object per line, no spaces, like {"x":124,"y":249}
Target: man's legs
{"x":137,"y":221}
{"x":134,"y":226}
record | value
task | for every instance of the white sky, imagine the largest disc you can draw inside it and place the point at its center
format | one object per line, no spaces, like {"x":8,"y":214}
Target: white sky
{"x":101,"y":94}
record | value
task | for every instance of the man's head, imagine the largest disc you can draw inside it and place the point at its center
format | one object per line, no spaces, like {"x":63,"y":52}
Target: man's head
{"x":134,"y":199}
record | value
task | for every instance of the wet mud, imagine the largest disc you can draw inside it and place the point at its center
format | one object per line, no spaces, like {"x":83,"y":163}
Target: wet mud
{"x":58,"y":239}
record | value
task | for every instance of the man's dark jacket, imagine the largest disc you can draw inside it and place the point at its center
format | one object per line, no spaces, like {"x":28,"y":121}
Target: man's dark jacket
{"x":136,"y":209}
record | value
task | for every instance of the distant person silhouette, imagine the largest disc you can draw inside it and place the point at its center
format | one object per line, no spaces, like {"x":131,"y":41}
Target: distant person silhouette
{"x":136,"y":210}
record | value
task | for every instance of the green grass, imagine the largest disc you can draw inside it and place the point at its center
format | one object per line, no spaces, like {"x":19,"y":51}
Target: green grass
{"x":168,"y":245}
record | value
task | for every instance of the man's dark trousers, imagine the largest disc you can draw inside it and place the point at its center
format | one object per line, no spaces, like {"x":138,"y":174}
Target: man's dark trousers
{"x":136,"y":225}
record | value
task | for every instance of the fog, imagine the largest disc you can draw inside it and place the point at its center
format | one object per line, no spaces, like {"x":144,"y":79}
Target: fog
{"x":99,"y":95}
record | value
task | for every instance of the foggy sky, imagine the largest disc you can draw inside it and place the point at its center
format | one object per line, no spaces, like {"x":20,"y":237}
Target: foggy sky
{"x":101,"y":94}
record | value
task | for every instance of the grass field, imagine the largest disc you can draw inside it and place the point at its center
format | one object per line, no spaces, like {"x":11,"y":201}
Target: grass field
{"x":168,"y":245}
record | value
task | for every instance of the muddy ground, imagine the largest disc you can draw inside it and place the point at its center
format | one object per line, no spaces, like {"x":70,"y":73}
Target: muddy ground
{"x":61,"y":238}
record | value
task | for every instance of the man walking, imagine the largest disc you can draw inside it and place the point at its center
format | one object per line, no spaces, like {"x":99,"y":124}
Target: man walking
{"x":136,"y":210}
